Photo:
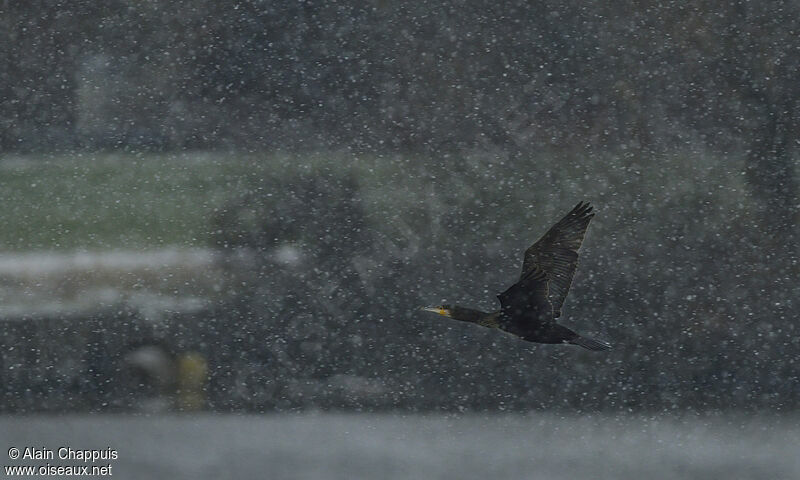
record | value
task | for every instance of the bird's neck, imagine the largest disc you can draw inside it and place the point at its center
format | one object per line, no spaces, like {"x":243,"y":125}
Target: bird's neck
{"x":467,"y":314}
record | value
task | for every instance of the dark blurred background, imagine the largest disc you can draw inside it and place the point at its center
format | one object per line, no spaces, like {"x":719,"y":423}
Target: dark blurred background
{"x":333,"y":167}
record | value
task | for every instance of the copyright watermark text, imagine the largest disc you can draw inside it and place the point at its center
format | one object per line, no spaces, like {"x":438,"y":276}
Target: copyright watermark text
{"x":83,"y":461}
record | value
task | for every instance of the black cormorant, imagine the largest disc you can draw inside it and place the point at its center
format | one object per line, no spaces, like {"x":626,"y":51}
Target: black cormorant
{"x":528,"y":309}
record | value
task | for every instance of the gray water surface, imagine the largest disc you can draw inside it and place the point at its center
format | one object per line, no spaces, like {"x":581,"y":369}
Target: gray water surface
{"x":393,"y":446}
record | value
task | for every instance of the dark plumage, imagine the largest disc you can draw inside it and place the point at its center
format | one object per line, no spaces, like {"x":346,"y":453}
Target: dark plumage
{"x":530,"y":306}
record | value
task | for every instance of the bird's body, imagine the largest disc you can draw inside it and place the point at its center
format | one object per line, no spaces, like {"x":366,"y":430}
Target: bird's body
{"x":530,"y":306}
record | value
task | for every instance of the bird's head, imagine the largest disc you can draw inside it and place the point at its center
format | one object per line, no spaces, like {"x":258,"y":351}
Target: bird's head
{"x":461,"y":314}
{"x":445,"y":310}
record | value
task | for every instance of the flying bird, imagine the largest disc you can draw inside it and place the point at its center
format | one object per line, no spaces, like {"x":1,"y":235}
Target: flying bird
{"x":529,"y":308}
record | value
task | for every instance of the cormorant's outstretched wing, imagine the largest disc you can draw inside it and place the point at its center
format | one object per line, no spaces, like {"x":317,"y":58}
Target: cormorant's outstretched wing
{"x":525,"y":305}
{"x":556,"y":253}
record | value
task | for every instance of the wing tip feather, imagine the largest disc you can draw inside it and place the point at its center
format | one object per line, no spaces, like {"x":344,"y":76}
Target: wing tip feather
{"x":583,"y":209}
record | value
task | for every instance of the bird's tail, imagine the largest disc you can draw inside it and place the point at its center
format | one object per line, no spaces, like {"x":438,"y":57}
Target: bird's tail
{"x":590,"y":343}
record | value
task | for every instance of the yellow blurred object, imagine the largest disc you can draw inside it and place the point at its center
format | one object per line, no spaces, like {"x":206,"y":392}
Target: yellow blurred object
{"x":192,"y":374}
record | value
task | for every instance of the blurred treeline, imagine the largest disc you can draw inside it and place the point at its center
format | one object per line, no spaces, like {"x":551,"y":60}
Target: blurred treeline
{"x":396,"y":75}
{"x":679,"y":121}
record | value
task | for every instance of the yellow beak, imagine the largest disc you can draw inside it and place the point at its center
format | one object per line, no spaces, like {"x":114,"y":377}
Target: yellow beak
{"x":439,"y":310}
